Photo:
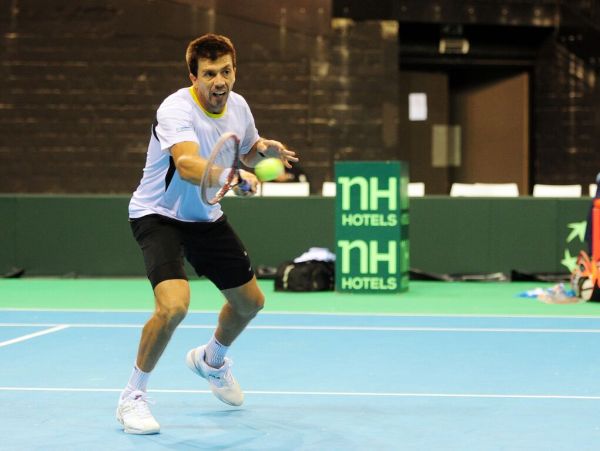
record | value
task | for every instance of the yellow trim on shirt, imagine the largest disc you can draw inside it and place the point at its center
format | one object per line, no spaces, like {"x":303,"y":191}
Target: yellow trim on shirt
{"x":208,"y":113}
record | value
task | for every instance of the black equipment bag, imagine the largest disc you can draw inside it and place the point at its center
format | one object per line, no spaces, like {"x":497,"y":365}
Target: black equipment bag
{"x":312,"y":275}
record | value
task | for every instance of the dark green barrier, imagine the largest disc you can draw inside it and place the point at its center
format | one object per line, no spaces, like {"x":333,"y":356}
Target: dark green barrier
{"x":89,"y":235}
{"x":278,"y":229}
{"x":86,"y":235}
{"x":8,"y":238}
{"x":466,"y":235}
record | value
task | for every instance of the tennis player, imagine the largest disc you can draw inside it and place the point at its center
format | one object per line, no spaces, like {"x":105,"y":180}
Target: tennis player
{"x":170,"y":222}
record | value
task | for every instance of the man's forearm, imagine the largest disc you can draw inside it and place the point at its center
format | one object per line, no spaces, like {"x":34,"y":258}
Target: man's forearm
{"x":253,"y":157}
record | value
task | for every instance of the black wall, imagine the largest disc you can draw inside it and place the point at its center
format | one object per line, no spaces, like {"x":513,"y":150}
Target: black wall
{"x":80,"y":81}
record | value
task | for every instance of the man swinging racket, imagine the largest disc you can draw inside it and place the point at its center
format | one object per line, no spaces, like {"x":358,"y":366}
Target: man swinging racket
{"x":170,"y":219}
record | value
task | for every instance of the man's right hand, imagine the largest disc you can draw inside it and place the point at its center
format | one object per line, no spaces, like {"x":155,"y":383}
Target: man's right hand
{"x":252,"y":184}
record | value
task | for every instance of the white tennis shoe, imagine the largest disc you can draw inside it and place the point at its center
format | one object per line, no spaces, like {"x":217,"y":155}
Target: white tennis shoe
{"x":221,"y":381}
{"x":135,"y":416}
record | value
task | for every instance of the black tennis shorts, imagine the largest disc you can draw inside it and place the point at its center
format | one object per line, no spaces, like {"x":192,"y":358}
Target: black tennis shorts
{"x":212,"y":248}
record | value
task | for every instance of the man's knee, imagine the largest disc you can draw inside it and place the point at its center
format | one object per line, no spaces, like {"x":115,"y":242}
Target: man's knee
{"x":173,"y":312}
{"x":172,"y":301}
{"x":251,"y":305}
{"x":246,"y":300}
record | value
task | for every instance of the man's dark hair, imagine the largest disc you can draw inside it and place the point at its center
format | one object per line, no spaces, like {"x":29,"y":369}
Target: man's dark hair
{"x":211,"y":46}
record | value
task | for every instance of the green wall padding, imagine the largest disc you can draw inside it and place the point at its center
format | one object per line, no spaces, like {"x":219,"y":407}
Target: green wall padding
{"x":89,"y":235}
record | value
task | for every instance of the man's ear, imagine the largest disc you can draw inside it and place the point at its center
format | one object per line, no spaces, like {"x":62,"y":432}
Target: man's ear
{"x":193,"y":78}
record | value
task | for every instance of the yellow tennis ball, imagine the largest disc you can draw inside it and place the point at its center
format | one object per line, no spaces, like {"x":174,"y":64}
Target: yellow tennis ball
{"x":269,"y":169}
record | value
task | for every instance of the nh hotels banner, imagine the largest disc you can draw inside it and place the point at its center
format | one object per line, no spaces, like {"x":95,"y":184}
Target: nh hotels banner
{"x":372,"y":251}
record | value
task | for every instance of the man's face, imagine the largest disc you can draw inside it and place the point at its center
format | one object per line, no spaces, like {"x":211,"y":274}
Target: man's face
{"x":214,"y":82}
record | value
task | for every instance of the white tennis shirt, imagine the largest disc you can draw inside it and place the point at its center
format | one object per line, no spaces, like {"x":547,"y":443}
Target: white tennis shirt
{"x":181,"y":118}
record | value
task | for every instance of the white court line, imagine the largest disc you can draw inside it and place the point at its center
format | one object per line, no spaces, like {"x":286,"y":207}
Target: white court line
{"x":33,"y":335}
{"x":310,"y":313}
{"x":311,"y":393}
{"x":324,"y":328}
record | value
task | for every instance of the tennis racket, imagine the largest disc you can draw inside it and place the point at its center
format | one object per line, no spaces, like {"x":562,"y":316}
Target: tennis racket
{"x":224,"y":155}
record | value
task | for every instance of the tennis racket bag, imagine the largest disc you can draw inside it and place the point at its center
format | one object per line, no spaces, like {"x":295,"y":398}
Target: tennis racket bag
{"x":312,"y":275}
{"x":585,"y":278}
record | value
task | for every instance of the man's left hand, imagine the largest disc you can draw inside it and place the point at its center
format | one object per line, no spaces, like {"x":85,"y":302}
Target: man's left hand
{"x":274,"y":149}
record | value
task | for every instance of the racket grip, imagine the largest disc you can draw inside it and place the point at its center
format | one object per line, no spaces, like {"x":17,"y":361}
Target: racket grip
{"x":243,"y":184}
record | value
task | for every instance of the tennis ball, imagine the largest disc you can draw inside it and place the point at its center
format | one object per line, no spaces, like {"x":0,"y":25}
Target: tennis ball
{"x":269,"y":169}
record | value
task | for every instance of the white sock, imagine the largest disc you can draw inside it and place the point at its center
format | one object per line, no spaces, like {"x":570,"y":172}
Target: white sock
{"x":137,"y":381}
{"x":215,"y":353}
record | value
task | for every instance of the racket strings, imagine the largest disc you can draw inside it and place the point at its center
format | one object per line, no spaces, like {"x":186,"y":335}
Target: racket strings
{"x":225,"y":155}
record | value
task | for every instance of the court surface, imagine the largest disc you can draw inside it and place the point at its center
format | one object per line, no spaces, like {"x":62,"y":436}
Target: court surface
{"x":446,"y":366}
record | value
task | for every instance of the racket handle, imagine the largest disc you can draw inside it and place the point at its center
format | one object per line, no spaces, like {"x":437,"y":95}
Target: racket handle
{"x":243,"y":184}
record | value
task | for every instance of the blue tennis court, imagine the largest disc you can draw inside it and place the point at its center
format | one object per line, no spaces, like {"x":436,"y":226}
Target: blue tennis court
{"x":312,"y":381}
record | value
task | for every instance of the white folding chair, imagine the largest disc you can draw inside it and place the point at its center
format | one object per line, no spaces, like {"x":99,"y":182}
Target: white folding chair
{"x":593,"y":188}
{"x":541,"y":190}
{"x":461,"y":189}
{"x":416,"y":189}
{"x":328,"y":189}
{"x":292,"y":189}
{"x":484,"y":190}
